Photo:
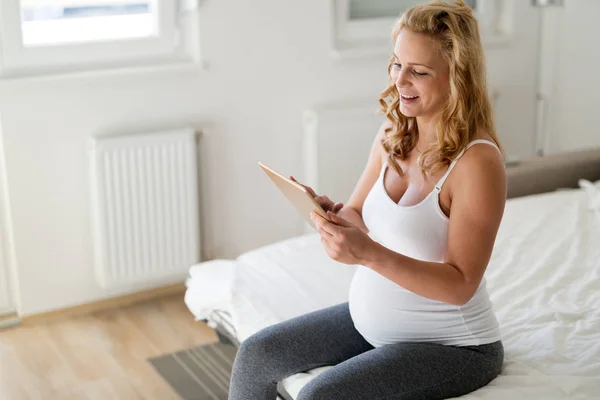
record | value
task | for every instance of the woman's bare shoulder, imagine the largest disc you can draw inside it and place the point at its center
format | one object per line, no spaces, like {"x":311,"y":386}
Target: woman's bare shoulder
{"x":482,"y":161}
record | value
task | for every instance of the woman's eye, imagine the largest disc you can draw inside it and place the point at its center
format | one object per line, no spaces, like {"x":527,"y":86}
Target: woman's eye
{"x":397,"y":66}
{"x":419,"y":73}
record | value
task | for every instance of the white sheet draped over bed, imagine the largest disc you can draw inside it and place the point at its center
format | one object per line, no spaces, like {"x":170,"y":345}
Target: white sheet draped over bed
{"x":543,"y":280}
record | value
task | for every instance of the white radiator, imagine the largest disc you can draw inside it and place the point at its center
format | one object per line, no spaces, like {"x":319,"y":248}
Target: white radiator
{"x":145,"y":207}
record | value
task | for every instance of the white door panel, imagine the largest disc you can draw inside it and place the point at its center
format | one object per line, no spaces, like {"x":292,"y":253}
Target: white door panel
{"x":513,"y":75}
{"x":6,"y":294}
{"x":571,"y":87}
{"x":5,"y":304}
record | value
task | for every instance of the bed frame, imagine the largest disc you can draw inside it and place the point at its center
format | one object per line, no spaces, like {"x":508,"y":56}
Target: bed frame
{"x":525,"y":177}
{"x":557,"y":171}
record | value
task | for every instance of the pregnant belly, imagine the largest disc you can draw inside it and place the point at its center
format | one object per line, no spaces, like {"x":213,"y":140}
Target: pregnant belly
{"x":384,"y":312}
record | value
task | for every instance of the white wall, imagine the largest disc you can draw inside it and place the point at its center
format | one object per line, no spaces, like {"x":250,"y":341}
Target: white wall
{"x":268,"y":61}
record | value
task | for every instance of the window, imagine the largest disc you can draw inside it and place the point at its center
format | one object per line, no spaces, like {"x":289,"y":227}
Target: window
{"x":364,"y":9}
{"x":363,"y":27}
{"x":78,"y":21}
{"x":46,"y":36}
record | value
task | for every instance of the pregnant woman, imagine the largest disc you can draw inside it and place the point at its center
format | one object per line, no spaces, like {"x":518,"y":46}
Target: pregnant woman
{"x":421,"y":225}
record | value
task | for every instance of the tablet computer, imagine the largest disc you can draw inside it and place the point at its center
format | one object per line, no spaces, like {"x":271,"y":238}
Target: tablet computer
{"x":296,"y":194}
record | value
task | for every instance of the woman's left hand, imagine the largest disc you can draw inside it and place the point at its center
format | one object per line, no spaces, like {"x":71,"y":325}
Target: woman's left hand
{"x":343,"y":241}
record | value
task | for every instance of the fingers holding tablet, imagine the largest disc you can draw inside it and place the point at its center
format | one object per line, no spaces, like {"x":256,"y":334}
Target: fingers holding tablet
{"x":325,"y":202}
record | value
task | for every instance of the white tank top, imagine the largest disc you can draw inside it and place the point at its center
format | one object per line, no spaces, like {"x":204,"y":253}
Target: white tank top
{"x":383,"y":311}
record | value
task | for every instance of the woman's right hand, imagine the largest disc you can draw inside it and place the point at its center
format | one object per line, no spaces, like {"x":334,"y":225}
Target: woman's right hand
{"x":324,"y":201}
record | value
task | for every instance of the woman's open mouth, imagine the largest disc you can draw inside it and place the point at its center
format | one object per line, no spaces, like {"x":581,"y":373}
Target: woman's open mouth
{"x":408,"y":99}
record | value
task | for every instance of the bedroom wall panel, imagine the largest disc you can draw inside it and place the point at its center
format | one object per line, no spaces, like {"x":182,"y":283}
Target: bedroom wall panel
{"x":337,"y":140}
{"x":263,"y":69}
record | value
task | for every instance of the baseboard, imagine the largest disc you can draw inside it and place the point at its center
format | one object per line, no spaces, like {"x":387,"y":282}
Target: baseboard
{"x":106,"y":304}
{"x":9,"y":320}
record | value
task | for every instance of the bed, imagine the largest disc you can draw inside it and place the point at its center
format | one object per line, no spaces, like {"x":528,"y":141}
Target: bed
{"x":543,"y":280}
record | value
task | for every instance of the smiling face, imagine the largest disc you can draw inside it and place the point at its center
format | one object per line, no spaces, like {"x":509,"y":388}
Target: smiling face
{"x":420,"y":74}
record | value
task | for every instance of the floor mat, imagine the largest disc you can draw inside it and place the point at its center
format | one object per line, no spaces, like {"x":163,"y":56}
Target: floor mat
{"x":199,"y":373}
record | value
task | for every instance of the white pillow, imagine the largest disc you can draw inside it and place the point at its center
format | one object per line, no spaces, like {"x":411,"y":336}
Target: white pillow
{"x":593,"y":192}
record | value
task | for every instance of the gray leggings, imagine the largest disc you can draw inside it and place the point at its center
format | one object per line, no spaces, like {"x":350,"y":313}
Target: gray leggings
{"x":328,"y":337}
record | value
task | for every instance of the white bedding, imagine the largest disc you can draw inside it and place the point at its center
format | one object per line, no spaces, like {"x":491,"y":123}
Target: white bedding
{"x":209,"y":287}
{"x":543,"y":279}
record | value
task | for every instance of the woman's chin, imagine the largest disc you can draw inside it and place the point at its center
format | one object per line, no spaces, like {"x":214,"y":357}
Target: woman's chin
{"x":408,"y":111}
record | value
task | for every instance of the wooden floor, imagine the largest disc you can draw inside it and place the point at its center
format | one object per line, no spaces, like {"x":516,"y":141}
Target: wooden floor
{"x":99,"y":356}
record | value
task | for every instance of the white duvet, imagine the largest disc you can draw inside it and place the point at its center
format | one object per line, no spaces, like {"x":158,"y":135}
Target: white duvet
{"x":543,"y":279}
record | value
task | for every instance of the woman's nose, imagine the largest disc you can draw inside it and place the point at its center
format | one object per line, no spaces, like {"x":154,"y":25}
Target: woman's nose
{"x":401,"y":79}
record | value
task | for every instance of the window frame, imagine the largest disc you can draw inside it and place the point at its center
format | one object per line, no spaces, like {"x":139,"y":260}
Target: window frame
{"x":364,"y":37}
{"x":167,"y":47}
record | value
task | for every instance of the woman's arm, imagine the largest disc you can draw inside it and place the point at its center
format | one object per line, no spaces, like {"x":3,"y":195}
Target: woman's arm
{"x":478,"y":192}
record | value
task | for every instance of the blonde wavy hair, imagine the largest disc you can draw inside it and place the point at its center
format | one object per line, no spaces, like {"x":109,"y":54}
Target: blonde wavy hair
{"x":468,"y":109}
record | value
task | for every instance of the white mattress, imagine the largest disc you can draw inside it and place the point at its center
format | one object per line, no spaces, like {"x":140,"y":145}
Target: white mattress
{"x":543,"y":279}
